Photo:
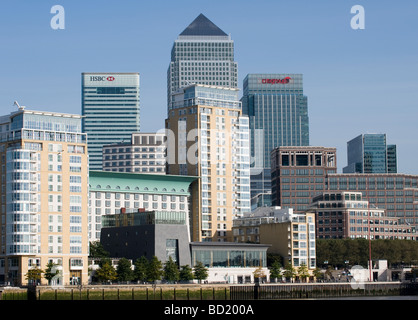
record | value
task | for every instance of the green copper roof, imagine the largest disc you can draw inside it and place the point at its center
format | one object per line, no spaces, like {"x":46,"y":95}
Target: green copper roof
{"x":139,"y":183}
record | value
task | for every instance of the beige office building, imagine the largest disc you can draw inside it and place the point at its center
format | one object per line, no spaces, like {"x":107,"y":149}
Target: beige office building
{"x":291,"y":235}
{"x":208,"y":137}
{"x":44,"y":196}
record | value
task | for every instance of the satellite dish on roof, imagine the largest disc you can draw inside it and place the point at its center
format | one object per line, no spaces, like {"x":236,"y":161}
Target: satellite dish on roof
{"x":18,"y":106}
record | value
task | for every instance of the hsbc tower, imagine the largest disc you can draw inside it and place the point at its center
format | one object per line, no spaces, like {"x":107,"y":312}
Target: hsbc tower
{"x":110,"y":109}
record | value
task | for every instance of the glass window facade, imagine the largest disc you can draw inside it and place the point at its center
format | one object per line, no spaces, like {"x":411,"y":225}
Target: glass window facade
{"x":111,"y":110}
{"x":278,"y":114}
{"x":229,"y":258}
{"x":369,"y":153}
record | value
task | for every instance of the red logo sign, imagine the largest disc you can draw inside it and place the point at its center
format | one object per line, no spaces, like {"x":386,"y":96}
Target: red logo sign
{"x":110,"y":78}
{"x":274,"y":81}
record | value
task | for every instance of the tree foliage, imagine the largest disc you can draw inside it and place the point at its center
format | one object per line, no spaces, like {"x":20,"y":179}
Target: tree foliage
{"x":303,"y":272}
{"x":140,"y":271}
{"x":343,"y":252}
{"x":96,"y":250}
{"x":289,"y":271}
{"x":51,"y":271}
{"x":171,"y":270}
{"x":200,"y":271}
{"x":34,"y":275}
{"x":259,"y":273}
{"x":275,"y":272}
{"x":186,"y":273}
{"x":124,"y":270}
{"x":106,"y":272}
{"x":154,"y":269}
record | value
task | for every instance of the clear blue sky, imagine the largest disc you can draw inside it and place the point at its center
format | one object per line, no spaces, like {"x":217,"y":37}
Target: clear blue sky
{"x":357,"y":81}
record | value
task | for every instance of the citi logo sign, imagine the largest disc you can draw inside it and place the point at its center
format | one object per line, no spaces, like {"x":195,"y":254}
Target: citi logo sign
{"x":274,"y":81}
{"x":102,"y":78}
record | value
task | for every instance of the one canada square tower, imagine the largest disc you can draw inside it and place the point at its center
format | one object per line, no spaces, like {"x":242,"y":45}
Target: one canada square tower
{"x":202,"y":54}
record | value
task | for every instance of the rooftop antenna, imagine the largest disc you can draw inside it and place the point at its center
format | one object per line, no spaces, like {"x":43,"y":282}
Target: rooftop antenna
{"x":18,"y":106}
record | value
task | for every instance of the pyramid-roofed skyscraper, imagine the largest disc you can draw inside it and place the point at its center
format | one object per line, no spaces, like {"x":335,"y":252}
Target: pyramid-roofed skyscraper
{"x":202,"y":54}
{"x":202,"y":26}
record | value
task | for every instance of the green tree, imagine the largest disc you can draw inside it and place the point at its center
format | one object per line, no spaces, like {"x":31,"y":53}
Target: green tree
{"x":51,"y":271}
{"x":275,"y":272}
{"x":154,"y":269}
{"x":96,"y":250}
{"x":318,"y":274}
{"x":140,"y":271}
{"x":323,"y":250}
{"x":124,"y":270}
{"x":289,"y":272}
{"x":34,"y":275}
{"x":186,"y":273}
{"x":200,"y":272}
{"x":171,"y":270}
{"x":272,"y":258}
{"x":303,"y":272}
{"x":106,"y":272}
{"x":259,"y":274}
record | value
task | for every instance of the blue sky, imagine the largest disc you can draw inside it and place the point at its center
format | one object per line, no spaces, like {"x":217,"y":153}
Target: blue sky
{"x":357,"y":81}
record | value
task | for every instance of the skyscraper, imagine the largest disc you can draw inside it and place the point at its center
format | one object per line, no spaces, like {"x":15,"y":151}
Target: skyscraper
{"x":278,"y":114}
{"x":44,"y":196}
{"x":369,"y":153}
{"x":110,"y":109}
{"x":202,"y":54}
{"x":207,"y":136}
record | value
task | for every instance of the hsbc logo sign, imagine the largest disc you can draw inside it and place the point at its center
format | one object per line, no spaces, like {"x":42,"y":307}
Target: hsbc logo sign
{"x":102,"y":78}
{"x":276,"y":81}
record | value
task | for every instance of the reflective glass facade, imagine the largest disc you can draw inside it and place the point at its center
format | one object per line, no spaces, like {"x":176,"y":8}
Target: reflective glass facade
{"x":229,"y":257}
{"x":111,"y":108}
{"x":368,"y":153}
{"x":278,"y":113}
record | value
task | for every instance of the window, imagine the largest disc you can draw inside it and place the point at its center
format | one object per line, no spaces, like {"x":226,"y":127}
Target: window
{"x":75,"y":159}
{"x":172,"y":249}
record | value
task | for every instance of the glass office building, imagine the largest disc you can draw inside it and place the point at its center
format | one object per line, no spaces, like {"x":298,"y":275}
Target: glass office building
{"x":369,"y":153}
{"x":110,"y":109}
{"x":278,"y":114}
{"x":202,"y":54}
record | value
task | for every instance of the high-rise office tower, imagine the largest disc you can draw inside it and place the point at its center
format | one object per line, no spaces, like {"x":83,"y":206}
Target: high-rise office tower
{"x":202,"y":54}
{"x":110,"y":109}
{"x":278,"y":114}
{"x":44,"y":196}
{"x":369,"y":153}
{"x":207,"y":136}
